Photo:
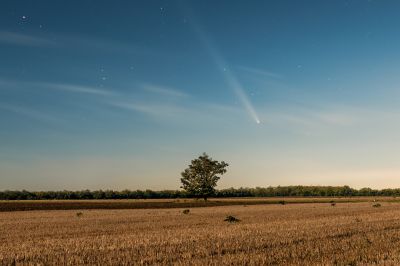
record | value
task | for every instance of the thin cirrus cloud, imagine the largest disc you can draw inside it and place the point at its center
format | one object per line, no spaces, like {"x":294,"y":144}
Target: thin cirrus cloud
{"x":260,"y":72}
{"x":78,"y":89}
{"x":67,"y":41}
{"x":156,"y":90}
{"x":100,"y":44}
{"x":159,"y":101}
{"x":332,"y":118}
{"x":73,"y":88}
{"x":314,"y":117}
{"x":162,"y":90}
{"x":24,"y":39}
{"x":157,"y":106}
{"x":152,"y":109}
{"x":180,"y":113}
{"x":28,"y":112}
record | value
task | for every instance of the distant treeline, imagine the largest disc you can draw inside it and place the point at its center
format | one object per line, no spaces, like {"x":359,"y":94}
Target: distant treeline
{"x":284,"y":191}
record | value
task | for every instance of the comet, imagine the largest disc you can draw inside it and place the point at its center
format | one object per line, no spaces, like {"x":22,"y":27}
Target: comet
{"x":229,"y":77}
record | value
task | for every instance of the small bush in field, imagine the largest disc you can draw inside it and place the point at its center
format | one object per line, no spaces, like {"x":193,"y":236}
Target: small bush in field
{"x":333,"y":204}
{"x":186,"y":211}
{"x":282,"y":202}
{"x":79,"y":214}
{"x":377,"y":205}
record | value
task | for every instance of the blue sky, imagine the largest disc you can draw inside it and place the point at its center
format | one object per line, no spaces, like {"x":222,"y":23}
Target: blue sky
{"x":95,"y":94}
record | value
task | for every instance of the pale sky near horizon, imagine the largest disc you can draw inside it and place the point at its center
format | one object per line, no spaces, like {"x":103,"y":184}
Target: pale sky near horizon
{"x":123,"y":94}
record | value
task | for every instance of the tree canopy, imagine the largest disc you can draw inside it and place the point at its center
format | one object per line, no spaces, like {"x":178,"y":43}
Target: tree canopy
{"x":201,"y":177}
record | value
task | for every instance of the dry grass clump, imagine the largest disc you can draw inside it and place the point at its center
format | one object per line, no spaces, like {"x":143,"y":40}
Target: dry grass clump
{"x":231,"y":219}
{"x":298,"y":234}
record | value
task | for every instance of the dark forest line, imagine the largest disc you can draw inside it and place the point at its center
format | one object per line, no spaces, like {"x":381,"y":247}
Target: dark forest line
{"x":280,"y":191}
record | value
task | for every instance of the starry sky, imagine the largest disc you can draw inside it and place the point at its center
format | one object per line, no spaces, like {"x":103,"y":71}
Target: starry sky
{"x":123,"y":94}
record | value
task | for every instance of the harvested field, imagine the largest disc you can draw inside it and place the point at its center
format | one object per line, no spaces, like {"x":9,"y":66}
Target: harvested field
{"x":292,"y":234}
{"x":27,"y":205}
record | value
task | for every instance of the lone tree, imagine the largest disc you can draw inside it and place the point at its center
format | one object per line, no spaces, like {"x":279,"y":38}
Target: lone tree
{"x":200,"y":178}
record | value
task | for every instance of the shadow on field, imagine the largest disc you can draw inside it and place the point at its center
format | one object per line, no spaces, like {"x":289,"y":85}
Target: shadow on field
{"x":159,"y":204}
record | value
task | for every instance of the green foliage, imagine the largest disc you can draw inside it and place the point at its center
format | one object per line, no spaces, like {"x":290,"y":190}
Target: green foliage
{"x":201,"y":177}
{"x":280,"y":191}
{"x":231,"y":219}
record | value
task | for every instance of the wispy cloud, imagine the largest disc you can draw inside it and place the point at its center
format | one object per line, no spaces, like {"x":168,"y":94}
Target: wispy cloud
{"x":73,"y":88}
{"x":260,"y":72}
{"x":325,"y":120}
{"x":180,"y":113}
{"x":94,"y":43}
{"x":83,"y":42}
{"x":167,"y":91}
{"x":336,"y":118}
{"x":153,"y":109}
{"x":160,"y":102}
{"x":5,"y":83}
{"x":315,"y":120}
{"x":28,"y":112}
{"x":77,"y":88}
{"x":311,"y":118}
{"x":24,"y":39}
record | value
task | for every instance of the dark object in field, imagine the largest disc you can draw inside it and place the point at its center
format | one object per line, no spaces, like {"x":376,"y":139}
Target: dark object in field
{"x":186,"y":211}
{"x":79,"y":214}
{"x":282,"y":202}
{"x":333,"y":204}
{"x":231,"y":219}
{"x":377,"y":205}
